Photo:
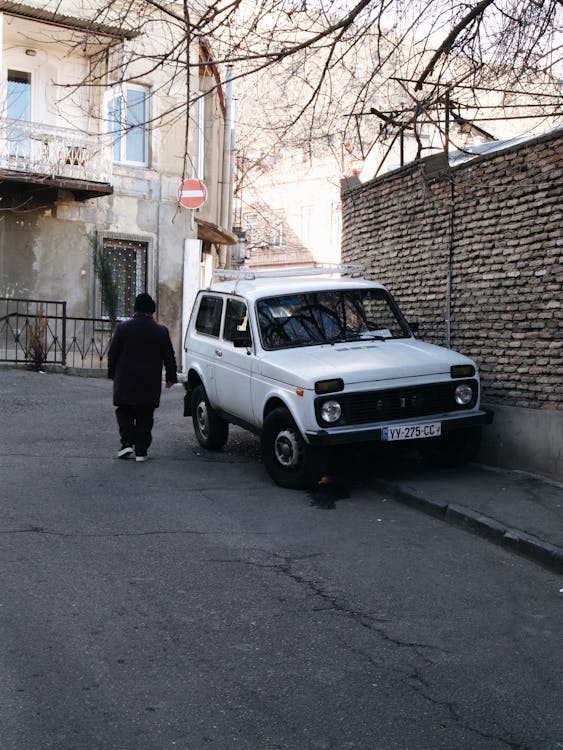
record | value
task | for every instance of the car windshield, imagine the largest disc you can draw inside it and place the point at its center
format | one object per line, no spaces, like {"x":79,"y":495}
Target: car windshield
{"x":328,"y":317}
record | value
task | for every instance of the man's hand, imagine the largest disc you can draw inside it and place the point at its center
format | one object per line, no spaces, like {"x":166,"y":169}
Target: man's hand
{"x":169,"y":384}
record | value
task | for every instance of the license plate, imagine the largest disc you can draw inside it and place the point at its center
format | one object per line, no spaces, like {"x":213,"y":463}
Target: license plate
{"x":411,"y":431}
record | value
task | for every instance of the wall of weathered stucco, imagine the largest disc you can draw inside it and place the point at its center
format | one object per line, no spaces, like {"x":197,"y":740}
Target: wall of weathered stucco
{"x":49,"y":255}
{"x":495,"y":221}
{"x":46,"y":252}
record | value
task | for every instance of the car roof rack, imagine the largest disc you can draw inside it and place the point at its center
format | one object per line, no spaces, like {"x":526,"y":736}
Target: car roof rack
{"x":238,"y":274}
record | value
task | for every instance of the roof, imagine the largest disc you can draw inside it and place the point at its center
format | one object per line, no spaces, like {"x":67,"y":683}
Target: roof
{"x":253,"y":289}
{"x":24,"y":10}
{"x":208,"y":230}
{"x":482,"y":149}
{"x":454,"y":158}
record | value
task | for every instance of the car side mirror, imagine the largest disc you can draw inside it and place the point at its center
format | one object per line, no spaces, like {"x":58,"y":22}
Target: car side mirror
{"x":414,"y":326}
{"x":242,"y":340}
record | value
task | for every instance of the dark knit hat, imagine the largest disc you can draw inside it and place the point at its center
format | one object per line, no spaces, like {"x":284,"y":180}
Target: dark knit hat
{"x":144,"y":303}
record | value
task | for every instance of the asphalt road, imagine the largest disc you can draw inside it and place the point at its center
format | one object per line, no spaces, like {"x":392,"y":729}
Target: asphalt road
{"x":189,"y":603}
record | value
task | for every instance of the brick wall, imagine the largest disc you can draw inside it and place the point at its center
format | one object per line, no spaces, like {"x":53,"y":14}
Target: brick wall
{"x":496,"y":221}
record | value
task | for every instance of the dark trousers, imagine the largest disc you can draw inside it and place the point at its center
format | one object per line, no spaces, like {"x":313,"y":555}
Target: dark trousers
{"x":135,"y":426}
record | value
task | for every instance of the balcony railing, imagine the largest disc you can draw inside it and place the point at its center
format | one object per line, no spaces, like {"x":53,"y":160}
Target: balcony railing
{"x":34,"y":148}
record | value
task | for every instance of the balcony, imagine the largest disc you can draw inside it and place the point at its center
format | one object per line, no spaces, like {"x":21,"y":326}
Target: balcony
{"x":37,"y":160}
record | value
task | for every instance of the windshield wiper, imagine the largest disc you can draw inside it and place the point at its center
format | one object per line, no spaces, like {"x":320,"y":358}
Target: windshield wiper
{"x":354,"y":337}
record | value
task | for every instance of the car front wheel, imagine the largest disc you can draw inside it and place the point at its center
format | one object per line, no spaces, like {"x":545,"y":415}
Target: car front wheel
{"x":289,"y":460}
{"x":211,"y":430}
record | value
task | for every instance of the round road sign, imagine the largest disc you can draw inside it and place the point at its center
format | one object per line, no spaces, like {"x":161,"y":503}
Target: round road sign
{"x":192,"y":194}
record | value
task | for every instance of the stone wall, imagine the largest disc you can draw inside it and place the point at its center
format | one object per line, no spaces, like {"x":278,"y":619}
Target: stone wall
{"x":496,"y":223}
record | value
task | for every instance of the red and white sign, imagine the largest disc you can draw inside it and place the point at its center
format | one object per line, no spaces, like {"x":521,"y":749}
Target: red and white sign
{"x":192,"y":194}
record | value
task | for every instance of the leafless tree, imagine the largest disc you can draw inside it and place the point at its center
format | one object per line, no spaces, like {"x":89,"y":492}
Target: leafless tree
{"x":309,"y":70}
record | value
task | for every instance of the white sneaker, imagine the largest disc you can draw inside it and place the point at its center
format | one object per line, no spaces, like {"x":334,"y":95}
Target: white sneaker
{"x":125,"y":452}
{"x":141,"y":458}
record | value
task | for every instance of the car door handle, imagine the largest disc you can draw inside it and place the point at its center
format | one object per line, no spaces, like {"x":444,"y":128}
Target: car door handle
{"x":218,"y":352}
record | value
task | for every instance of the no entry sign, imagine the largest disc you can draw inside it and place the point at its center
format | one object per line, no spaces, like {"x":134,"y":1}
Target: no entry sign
{"x":192,"y":194}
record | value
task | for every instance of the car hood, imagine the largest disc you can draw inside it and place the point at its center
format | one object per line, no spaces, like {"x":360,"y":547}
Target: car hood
{"x":360,"y":362}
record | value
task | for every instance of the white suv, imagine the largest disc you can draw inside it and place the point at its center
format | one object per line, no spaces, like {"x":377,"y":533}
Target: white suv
{"x":309,"y":362}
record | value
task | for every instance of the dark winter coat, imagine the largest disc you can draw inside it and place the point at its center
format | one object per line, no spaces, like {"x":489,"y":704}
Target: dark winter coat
{"x":137,"y":352}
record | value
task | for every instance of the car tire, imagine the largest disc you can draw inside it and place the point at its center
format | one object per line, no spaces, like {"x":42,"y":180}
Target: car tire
{"x":289,"y":460}
{"x":211,"y":430}
{"x":454,"y":448}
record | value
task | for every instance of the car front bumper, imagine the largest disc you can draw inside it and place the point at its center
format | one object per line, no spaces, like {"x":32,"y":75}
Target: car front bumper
{"x":372,"y":432}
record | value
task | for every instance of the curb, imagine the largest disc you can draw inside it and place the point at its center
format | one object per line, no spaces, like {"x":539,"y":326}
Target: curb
{"x":544,"y":553}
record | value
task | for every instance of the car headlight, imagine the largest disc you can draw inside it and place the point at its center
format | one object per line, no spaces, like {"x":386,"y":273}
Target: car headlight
{"x":463,"y":394}
{"x":331,"y":411}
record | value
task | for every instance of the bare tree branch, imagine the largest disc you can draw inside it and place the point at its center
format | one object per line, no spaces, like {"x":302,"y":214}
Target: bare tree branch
{"x":446,"y":45}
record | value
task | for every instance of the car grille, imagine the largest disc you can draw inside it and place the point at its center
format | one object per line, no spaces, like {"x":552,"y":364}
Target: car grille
{"x":397,"y":403}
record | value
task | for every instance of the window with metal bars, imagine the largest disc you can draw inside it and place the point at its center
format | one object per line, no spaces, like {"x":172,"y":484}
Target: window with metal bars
{"x":128,"y":262}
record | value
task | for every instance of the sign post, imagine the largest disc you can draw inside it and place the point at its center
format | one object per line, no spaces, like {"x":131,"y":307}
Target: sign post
{"x":192,"y":194}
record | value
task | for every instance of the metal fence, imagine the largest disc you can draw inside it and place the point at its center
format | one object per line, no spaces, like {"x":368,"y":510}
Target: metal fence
{"x":39,"y":333}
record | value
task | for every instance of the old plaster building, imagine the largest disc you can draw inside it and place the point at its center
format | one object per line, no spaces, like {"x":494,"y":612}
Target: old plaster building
{"x":93,"y":150}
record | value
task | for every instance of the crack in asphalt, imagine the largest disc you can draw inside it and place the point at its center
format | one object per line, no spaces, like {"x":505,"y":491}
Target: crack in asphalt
{"x":414,"y":680}
{"x":365,"y":620}
{"x":283,"y":564}
{"x":455,"y":716}
{"x":108,"y":534}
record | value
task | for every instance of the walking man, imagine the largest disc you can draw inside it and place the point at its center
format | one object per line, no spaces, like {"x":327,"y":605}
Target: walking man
{"x":138,"y":350}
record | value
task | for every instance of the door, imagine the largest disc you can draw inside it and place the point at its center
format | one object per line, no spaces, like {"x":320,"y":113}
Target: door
{"x":233,"y":365}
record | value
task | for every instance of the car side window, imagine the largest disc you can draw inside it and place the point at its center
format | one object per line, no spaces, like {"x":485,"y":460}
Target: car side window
{"x":208,"y":319}
{"x":236,"y":319}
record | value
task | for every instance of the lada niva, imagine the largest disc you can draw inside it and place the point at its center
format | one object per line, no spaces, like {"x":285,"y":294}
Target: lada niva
{"x":310,"y":362}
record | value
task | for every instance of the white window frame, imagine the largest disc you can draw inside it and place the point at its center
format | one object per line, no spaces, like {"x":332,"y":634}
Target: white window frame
{"x":120,"y":92}
{"x":278,"y":234}
{"x":250,"y":220}
{"x":31,"y":82}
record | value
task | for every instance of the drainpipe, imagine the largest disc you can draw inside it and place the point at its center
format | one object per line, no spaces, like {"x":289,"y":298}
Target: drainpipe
{"x":226,"y":166}
{"x":232,"y":163}
{"x":448,"y":302}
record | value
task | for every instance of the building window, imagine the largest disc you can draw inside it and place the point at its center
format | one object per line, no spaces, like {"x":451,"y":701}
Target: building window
{"x":250,"y":224}
{"x":18,"y":107}
{"x":127,"y":122}
{"x":278,"y":239}
{"x":128,"y":262}
{"x":306,"y":223}
{"x":19,"y":95}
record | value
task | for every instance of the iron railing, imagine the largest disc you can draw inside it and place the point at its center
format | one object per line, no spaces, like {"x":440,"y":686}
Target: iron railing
{"x":55,"y":152}
{"x":87,"y":342}
{"x":39,"y":332}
